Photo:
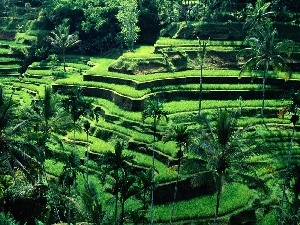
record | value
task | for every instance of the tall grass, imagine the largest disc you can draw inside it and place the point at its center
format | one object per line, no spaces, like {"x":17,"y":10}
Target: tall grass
{"x":173,"y":41}
{"x":234,"y":196}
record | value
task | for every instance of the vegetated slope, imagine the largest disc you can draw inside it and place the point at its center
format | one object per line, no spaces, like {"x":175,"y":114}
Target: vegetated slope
{"x":120,"y":100}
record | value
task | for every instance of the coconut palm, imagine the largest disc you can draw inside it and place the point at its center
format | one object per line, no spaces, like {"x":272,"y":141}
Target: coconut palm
{"x":227,"y":152}
{"x":77,"y":106}
{"x":61,"y":40}
{"x":154,"y":109}
{"x":86,"y":126}
{"x":201,"y":56}
{"x":128,"y":187}
{"x":68,"y":176}
{"x":265,"y":53}
{"x":258,"y":16}
{"x":145,"y":181}
{"x":46,"y":117}
{"x":115,"y":165}
{"x":181,"y":135}
{"x":15,"y":152}
{"x":294,"y":119}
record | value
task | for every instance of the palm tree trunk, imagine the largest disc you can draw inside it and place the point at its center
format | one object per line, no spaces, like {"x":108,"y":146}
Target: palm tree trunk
{"x":176,"y":188}
{"x":263,"y":87}
{"x":116,"y":196}
{"x":219,"y":190}
{"x":200,"y":90}
{"x":74,"y":136}
{"x":122,"y":211}
{"x":87,"y":158}
{"x":144,"y":206}
{"x":64,"y":60}
{"x":152,"y":174}
{"x":287,"y":171}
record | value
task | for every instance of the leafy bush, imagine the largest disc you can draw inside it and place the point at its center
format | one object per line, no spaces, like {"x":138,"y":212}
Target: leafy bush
{"x":7,"y":219}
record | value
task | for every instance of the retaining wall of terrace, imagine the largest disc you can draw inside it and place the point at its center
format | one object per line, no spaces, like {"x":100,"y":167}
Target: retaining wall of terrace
{"x":279,"y":82}
{"x":131,"y":104}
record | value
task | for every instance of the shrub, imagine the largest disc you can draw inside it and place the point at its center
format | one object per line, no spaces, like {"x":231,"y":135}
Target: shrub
{"x":7,"y":219}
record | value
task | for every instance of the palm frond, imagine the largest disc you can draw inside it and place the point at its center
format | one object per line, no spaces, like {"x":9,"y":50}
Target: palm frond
{"x":5,"y":165}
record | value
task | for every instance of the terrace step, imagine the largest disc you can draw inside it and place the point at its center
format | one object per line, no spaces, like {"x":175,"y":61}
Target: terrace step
{"x":279,"y":82}
{"x":136,"y":104}
{"x":5,"y":46}
{"x":10,"y":71}
{"x":9,"y":61}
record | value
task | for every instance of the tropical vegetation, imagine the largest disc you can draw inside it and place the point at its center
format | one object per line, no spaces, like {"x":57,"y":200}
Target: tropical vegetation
{"x":149,"y":111}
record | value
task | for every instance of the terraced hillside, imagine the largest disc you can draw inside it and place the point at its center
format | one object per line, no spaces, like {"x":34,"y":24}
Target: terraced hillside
{"x":119,"y":88}
{"x":120,"y":99}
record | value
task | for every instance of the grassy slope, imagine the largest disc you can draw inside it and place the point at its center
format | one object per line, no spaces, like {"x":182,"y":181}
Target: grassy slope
{"x":178,"y":109}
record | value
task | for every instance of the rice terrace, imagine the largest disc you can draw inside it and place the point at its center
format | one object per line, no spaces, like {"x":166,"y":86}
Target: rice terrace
{"x":149,"y":112}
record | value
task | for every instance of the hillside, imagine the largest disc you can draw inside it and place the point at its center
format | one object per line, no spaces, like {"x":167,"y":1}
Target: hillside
{"x":99,"y":160}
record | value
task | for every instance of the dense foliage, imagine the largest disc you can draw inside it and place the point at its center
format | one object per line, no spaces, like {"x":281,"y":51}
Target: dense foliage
{"x":130,"y":153}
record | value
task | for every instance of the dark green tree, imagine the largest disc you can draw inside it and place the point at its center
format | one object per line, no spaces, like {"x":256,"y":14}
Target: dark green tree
{"x":67,"y":179}
{"x":145,"y":181}
{"x":45,"y":119}
{"x":294,"y":120}
{"x":201,"y":57}
{"x":115,"y":166}
{"x":86,"y":127}
{"x":92,"y":203}
{"x":227,"y":152}
{"x":258,"y":16}
{"x":15,"y":151}
{"x":154,"y":109}
{"x":61,"y":40}
{"x":128,"y":19}
{"x":264,"y":52}
{"x":77,"y":105}
{"x":181,"y":135}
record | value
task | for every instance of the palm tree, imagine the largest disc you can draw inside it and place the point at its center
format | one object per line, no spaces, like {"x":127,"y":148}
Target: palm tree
{"x":258,"y":16}
{"x":294,"y":119}
{"x":87,"y":126}
{"x":61,"y":40}
{"x":226,"y":152}
{"x":154,"y":109}
{"x":264,"y":53}
{"x":128,"y":188}
{"x":15,"y":152}
{"x":115,"y":166}
{"x":92,"y":203}
{"x":77,"y":106}
{"x":181,"y":135}
{"x":201,"y":55}
{"x":145,"y":181}
{"x":46,"y":117}
{"x":68,"y":177}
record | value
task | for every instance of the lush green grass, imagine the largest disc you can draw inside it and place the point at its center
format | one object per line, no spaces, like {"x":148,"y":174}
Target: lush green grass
{"x":178,"y":42}
{"x":113,"y":109}
{"x":10,"y":66}
{"x":213,"y":87}
{"x":191,"y":105}
{"x":53,"y":167}
{"x":234,"y":196}
{"x":38,"y":72}
{"x":101,"y":69}
{"x":269,"y":218}
{"x":141,"y":52}
{"x":11,"y":43}
{"x":9,"y":59}
{"x":5,"y":51}
{"x":125,"y":90}
{"x":39,"y":89}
